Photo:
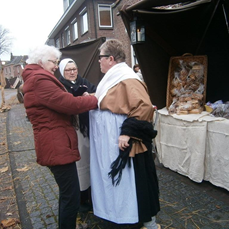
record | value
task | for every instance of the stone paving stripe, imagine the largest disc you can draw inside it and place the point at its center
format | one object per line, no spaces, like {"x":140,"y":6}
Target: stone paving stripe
{"x":24,"y":215}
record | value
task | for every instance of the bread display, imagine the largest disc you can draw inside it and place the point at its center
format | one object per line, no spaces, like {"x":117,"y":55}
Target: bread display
{"x":186,"y":86}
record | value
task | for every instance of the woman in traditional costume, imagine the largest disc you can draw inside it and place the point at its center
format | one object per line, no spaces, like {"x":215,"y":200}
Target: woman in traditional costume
{"x":77,"y":85}
{"x":123,"y":176}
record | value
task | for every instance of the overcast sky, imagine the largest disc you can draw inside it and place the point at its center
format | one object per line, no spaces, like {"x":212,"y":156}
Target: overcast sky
{"x":29,"y":22}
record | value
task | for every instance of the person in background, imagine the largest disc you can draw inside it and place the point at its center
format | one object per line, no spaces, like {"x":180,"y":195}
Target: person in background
{"x":2,"y":87}
{"x":137,"y":70}
{"x":74,"y":83}
{"x":124,"y":182}
{"x":49,"y":108}
{"x":20,"y":94}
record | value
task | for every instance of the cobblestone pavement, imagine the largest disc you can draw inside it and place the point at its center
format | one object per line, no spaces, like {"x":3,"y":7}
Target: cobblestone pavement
{"x":8,"y":200}
{"x":184,"y":204}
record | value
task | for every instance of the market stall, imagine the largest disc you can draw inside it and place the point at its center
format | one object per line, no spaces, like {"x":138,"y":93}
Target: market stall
{"x":200,"y":29}
{"x":195,"y":145}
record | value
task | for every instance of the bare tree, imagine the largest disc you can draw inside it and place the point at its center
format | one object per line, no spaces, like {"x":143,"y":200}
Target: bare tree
{"x":5,"y":40}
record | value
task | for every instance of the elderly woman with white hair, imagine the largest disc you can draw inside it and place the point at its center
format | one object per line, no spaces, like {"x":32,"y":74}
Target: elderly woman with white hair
{"x":76,"y":85}
{"x":50,"y":108}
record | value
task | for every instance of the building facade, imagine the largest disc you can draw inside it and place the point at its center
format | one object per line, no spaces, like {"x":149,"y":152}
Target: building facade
{"x":86,"y":20}
{"x":12,"y":70}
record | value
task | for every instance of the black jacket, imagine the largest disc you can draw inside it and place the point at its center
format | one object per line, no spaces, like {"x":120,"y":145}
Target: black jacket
{"x":70,"y":87}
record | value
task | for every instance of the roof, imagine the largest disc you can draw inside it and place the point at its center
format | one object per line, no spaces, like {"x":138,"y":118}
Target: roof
{"x":65,"y":17}
{"x":17,"y":60}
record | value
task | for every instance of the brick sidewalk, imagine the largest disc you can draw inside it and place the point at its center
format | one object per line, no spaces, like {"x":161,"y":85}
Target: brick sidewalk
{"x":8,"y":201}
{"x":184,"y":204}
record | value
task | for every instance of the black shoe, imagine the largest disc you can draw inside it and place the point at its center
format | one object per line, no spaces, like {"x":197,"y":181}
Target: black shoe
{"x":85,"y":207}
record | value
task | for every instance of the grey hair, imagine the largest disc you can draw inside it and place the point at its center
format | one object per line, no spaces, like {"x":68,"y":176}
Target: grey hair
{"x":114,"y":47}
{"x":43,"y":53}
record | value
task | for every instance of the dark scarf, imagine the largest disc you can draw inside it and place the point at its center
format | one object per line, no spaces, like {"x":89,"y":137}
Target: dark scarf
{"x":135,"y":128}
{"x":83,"y":117}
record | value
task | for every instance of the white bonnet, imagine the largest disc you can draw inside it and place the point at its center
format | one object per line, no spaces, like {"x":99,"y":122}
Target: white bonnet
{"x":63,"y":64}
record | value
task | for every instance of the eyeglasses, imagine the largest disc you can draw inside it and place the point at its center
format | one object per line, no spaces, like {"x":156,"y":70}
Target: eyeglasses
{"x":100,"y":56}
{"x":70,"y":70}
{"x":56,"y":62}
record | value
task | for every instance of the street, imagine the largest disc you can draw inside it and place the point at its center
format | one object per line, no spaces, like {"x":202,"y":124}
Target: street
{"x":29,"y":194}
{"x":9,"y":93}
{"x":9,"y":96}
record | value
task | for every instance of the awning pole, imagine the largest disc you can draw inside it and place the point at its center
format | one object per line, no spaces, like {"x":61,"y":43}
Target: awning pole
{"x":207,"y":26}
{"x":225,"y":18}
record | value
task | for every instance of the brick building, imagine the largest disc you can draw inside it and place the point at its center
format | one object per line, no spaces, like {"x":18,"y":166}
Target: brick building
{"x":86,"y":20}
{"x":13,"y":70}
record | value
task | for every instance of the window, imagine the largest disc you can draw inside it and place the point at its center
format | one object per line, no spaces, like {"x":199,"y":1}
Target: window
{"x":67,"y":36}
{"x":105,"y":16}
{"x":67,"y":3}
{"x":57,"y":43}
{"x":74,"y":29}
{"x":84,"y":21}
{"x":63,"y":40}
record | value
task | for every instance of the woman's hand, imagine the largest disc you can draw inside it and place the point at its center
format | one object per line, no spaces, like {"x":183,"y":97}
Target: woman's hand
{"x":85,"y":94}
{"x":123,"y":142}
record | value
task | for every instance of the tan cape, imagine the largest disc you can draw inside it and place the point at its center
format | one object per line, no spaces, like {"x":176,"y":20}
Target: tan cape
{"x":130,"y":97}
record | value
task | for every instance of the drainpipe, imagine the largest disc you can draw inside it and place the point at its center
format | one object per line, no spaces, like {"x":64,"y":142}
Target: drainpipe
{"x":115,"y":3}
{"x":95,"y":19}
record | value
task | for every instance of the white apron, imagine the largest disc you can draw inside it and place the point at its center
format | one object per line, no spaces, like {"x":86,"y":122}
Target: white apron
{"x":83,"y":165}
{"x":117,"y":204}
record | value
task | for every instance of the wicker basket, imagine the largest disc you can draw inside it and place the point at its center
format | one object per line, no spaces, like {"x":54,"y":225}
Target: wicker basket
{"x":173,"y":65}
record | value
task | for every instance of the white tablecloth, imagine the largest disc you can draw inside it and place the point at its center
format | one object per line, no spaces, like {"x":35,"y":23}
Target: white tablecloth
{"x":196,"y":146}
{"x":217,"y":154}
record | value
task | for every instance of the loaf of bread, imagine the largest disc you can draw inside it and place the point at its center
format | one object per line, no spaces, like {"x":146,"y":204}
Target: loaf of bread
{"x":179,"y":112}
{"x":195,"y":111}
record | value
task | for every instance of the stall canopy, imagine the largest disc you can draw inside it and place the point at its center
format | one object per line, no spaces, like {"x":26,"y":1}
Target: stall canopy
{"x":198,"y":28}
{"x":86,"y":57}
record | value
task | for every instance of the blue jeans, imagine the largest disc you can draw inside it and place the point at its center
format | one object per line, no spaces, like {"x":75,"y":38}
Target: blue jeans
{"x":66,"y":177}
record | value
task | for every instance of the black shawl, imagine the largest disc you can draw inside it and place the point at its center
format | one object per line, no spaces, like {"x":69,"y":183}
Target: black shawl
{"x":134,"y":128}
